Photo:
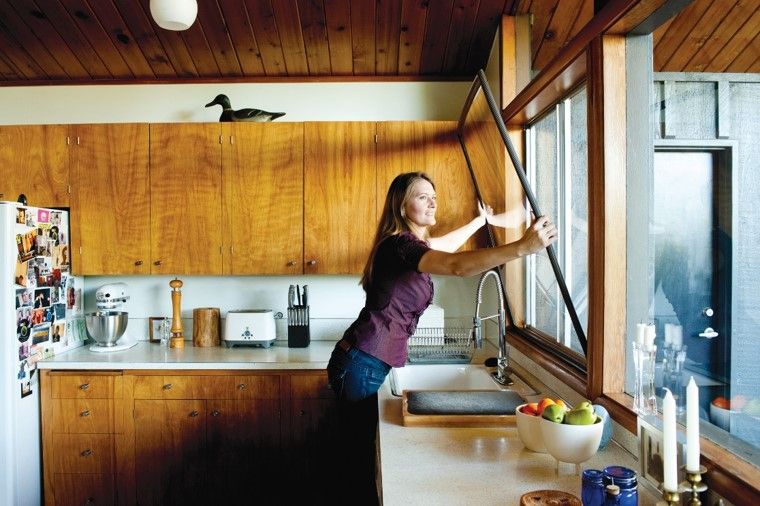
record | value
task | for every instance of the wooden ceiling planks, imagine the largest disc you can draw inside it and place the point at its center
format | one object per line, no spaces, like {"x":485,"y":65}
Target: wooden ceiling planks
{"x":413,"y":21}
{"x":243,"y":39}
{"x":387,"y":28}
{"x":76,"y":41}
{"x":338,"y":18}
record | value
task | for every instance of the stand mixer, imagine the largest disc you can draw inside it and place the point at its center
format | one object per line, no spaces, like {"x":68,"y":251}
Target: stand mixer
{"x":108,"y":324}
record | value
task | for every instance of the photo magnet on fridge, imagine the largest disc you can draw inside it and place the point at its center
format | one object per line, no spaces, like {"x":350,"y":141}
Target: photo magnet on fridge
{"x":21,"y":215}
{"x":43,"y":216}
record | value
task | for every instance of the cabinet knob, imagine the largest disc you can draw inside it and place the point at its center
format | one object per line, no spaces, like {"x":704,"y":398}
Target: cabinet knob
{"x":157,"y":262}
{"x":194,"y":413}
{"x":291,"y":263}
{"x":138,"y":262}
{"x":241,"y":386}
{"x":86,"y":412}
{"x":86,"y":453}
{"x":84,"y":386}
{"x":168,"y":386}
{"x":302,"y":412}
{"x":311,"y":262}
{"x":90,"y":500}
{"x":215,"y":413}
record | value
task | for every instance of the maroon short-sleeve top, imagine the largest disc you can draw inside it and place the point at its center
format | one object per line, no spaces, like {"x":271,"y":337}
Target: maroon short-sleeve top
{"x":398,"y":295}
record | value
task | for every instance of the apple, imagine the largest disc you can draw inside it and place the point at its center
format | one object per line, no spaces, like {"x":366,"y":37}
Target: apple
{"x":721,"y":402}
{"x":738,"y":402}
{"x":546,"y":401}
{"x":554,"y":413}
{"x":582,"y":414}
{"x":530,"y":409}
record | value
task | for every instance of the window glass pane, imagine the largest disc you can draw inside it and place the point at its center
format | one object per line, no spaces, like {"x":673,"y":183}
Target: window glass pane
{"x":560,"y":182}
{"x":703,"y":272}
{"x":545,"y":187}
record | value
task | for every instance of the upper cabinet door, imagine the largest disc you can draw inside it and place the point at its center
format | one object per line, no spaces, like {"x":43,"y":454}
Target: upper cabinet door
{"x":263,"y":198}
{"x":186,"y":193}
{"x":110,"y":201}
{"x":339,"y":196}
{"x":431,"y":147}
{"x":34,"y":161}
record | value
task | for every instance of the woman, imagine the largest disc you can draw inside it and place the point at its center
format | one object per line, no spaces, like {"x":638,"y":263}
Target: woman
{"x":397,"y":282}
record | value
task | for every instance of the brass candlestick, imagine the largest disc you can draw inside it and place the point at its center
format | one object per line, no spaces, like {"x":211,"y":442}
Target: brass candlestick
{"x":694,"y":485}
{"x":669,"y":498}
{"x":177,"y":339}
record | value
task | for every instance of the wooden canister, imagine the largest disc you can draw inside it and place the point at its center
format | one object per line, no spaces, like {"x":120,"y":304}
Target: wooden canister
{"x":206,"y":326}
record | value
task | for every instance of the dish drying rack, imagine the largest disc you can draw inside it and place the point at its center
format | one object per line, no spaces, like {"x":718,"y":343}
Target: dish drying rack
{"x":439,"y":345}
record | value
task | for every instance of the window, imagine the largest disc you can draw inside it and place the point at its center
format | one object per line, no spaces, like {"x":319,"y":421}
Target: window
{"x":557,"y":170}
{"x":701,"y":217}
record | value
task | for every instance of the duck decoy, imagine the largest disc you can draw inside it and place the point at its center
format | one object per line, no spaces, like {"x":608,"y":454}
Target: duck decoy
{"x":228,"y":114}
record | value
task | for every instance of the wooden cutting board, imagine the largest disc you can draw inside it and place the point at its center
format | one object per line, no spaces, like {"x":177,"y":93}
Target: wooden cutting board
{"x":468,"y":416}
{"x":549,"y":498}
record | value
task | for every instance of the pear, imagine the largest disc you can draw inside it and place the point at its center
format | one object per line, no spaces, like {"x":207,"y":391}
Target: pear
{"x":583,"y":414}
{"x":554,"y":413}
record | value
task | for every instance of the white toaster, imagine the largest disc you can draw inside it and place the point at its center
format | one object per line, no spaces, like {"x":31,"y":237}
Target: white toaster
{"x":249,"y":327}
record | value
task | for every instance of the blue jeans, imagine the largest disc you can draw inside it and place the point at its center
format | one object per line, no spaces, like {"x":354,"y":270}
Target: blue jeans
{"x":355,"y":375}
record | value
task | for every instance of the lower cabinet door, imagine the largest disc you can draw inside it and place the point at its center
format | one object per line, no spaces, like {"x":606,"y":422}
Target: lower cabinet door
{"x":170,"y":440}
{"x":84,"y":489}
{"x":244,"y":460}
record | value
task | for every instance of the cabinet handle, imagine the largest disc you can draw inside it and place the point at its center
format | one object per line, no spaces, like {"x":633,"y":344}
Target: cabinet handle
{"x":90,"y":500}
{"x":84,"y":386}
{"x":157,"y":262}
{"x":241,"y":386}
{"x":311,"y":262}
{"x":215,"y":413}
{"x":138,"y":262}
{"x":302,"y":412}
{"x":86,"y":453}
{"x":194,"y":413}
{"x":168,"y":386}
{"x":291,"y":263}
{"x":86,"y":412}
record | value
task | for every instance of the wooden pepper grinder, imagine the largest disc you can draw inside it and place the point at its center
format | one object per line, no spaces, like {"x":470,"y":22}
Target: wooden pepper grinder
{"x":177,"y":339}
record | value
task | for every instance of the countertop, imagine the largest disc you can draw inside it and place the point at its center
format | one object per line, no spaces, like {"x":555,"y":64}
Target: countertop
{"x":419,"y":465}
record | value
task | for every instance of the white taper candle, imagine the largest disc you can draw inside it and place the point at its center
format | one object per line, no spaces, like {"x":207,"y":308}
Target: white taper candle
{"x":692,"y":426}
{"x":670,"y":460}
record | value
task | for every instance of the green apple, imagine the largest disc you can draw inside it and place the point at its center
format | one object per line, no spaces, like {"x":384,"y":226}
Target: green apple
{"x":554,"y":413}
{"x":583,"y":414}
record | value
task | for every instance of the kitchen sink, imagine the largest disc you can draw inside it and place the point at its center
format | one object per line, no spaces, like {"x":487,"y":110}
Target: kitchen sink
{"x":441,"y":377}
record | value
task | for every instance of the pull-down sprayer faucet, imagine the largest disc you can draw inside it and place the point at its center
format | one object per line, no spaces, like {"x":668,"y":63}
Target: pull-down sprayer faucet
{"x":501,"y":375}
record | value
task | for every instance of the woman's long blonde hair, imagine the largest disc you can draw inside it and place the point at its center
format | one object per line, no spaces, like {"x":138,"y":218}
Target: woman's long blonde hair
{"x":393,"y":219}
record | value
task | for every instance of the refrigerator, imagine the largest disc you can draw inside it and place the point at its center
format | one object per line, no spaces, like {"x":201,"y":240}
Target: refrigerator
{"x":40,"y":316}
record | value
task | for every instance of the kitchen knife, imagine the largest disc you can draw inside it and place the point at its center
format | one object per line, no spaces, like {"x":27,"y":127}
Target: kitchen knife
{"x":298,"y":292}
{"x":291,"y":296}
{"x":305,"y":295}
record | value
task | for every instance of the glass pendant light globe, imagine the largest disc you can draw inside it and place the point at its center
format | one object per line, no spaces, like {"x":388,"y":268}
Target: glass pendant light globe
{"x":174,"y":14}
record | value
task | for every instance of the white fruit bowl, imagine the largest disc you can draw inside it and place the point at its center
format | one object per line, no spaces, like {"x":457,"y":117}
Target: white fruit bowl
{"x":571,"y":443}
{"x":721,"y":416}
{"x":529,"y":430}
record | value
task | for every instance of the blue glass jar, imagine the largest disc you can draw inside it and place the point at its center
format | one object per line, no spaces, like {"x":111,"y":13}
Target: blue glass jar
{"x":592,"y":487}
{"x":627,"y":480}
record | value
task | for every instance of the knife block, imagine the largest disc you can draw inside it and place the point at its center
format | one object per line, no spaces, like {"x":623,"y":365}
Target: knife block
{"x":298,"y":327}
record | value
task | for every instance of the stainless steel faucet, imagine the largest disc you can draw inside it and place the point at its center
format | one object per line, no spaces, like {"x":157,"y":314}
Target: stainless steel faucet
{"x":501,"y":375}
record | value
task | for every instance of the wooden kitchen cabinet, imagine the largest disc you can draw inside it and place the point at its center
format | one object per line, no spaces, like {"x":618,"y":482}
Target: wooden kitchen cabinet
{"x":262,"y":172}
{"x":82,"y":425}
{"x":186,"y":198}
{"x":431,"y":147}
{"x":110,"y":201}
{"x":34,"y":161}
{"x":340,"y":209}
{"x":311,"y":437}
{"x":206,"y":439}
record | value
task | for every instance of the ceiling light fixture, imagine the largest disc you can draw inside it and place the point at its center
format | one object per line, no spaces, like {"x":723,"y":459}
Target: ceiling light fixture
{"x":174,"y":14}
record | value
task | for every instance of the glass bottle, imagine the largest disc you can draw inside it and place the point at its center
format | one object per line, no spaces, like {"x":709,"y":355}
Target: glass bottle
{"x":612,"y":496}
{"x":626,"y":481}
{"x":592,"y":488}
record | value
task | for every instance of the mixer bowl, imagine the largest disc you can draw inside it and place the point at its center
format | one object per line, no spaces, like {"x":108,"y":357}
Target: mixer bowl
{"x":106,"y":327}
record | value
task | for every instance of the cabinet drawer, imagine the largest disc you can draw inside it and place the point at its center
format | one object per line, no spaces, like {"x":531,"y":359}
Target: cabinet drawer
{"x":84,"y":489}
{"x":82,"y":453}
{"x":82,"y":416}
{"x":310,"y":386}
{"x":173,"y":387}
{"x":85,"y":386}
{"x":207,"y":387}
